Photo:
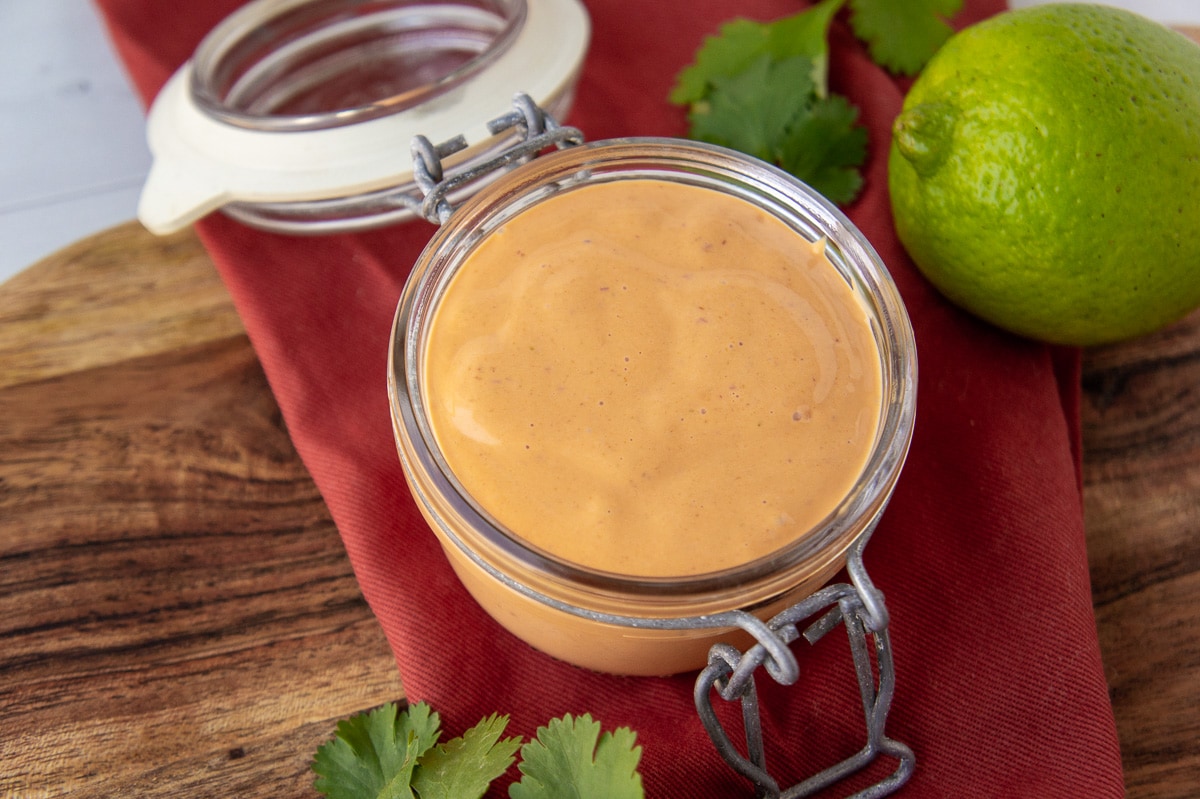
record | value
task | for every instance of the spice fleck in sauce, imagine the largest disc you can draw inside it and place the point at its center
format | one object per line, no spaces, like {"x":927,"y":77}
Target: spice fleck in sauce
{"x":654,"y":379}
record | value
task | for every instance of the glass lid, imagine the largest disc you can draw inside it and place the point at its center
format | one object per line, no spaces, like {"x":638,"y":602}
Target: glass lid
{"x":297,"y":115}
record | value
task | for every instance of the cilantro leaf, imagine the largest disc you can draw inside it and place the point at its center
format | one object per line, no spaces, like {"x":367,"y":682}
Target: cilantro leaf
{"x":751,"y":111}
{"x":741,"y":42}
{"x":902,"y":35}
{"x":806,"y":35}
{"x":738,"y":45}
{"x":463,"y":768}
{"x":824,"y":147}
{"x":761,"y":88}
{"x":373,"y":754}
{"x":569,"y":759}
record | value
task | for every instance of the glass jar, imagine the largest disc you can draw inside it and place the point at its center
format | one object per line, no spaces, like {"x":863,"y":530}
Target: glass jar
{"x":623,"y":623}
{"x":295,"y":116}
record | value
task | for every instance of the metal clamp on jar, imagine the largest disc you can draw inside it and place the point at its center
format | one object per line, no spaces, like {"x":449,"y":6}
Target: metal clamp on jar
{"x":269,"y":124}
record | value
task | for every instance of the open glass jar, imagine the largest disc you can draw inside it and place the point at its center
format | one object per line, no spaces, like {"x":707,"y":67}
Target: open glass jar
{"x":637,"y":623}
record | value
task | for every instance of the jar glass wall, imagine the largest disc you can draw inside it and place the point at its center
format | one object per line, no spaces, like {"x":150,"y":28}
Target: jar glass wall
{"x":612,"y":621}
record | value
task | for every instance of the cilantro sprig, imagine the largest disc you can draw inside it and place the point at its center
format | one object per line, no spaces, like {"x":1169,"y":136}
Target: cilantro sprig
{"x":388,"y":753}
{"x":763,"y":88}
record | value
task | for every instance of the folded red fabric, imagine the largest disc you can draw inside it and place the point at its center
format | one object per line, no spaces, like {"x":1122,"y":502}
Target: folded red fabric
{"x":981,"y":554}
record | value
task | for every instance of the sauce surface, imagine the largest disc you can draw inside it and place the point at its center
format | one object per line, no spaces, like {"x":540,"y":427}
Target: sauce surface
{"x":653,"y":379}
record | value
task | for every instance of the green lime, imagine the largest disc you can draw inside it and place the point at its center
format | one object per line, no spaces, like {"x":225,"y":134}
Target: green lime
{"x":1045,"y":172}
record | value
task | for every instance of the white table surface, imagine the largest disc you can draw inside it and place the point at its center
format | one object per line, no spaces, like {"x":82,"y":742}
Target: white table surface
{"x":72,"y":141}
{"x":72,"y":133}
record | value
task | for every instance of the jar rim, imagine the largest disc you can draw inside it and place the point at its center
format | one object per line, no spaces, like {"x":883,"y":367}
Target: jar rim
{"x":853,"y":518}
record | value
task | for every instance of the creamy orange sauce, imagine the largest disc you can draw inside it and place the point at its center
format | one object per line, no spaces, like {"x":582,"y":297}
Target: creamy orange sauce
{"x":653,"y":379}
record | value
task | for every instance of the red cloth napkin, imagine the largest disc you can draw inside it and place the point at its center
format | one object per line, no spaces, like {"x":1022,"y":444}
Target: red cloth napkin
{"x":1000,"y":687}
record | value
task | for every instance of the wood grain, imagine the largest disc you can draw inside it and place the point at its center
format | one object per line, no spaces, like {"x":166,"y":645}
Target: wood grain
{"x":177,"y":615}
{"x":110,"y":298}
{"x":1141,"y":424}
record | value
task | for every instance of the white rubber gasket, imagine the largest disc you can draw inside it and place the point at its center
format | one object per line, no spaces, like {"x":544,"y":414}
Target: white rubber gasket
{"x":201,"y":163}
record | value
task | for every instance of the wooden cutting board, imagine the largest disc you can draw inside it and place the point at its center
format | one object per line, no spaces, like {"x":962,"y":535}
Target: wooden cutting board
{"x":178,"y":616}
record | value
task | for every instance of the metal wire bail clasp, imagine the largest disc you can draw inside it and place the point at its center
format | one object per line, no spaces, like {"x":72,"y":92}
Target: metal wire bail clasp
{"x":538,"y":131}
{"x":860,"y":608}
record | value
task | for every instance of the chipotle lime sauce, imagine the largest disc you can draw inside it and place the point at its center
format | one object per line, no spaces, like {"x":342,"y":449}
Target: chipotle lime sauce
{"x":648,"y":378}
